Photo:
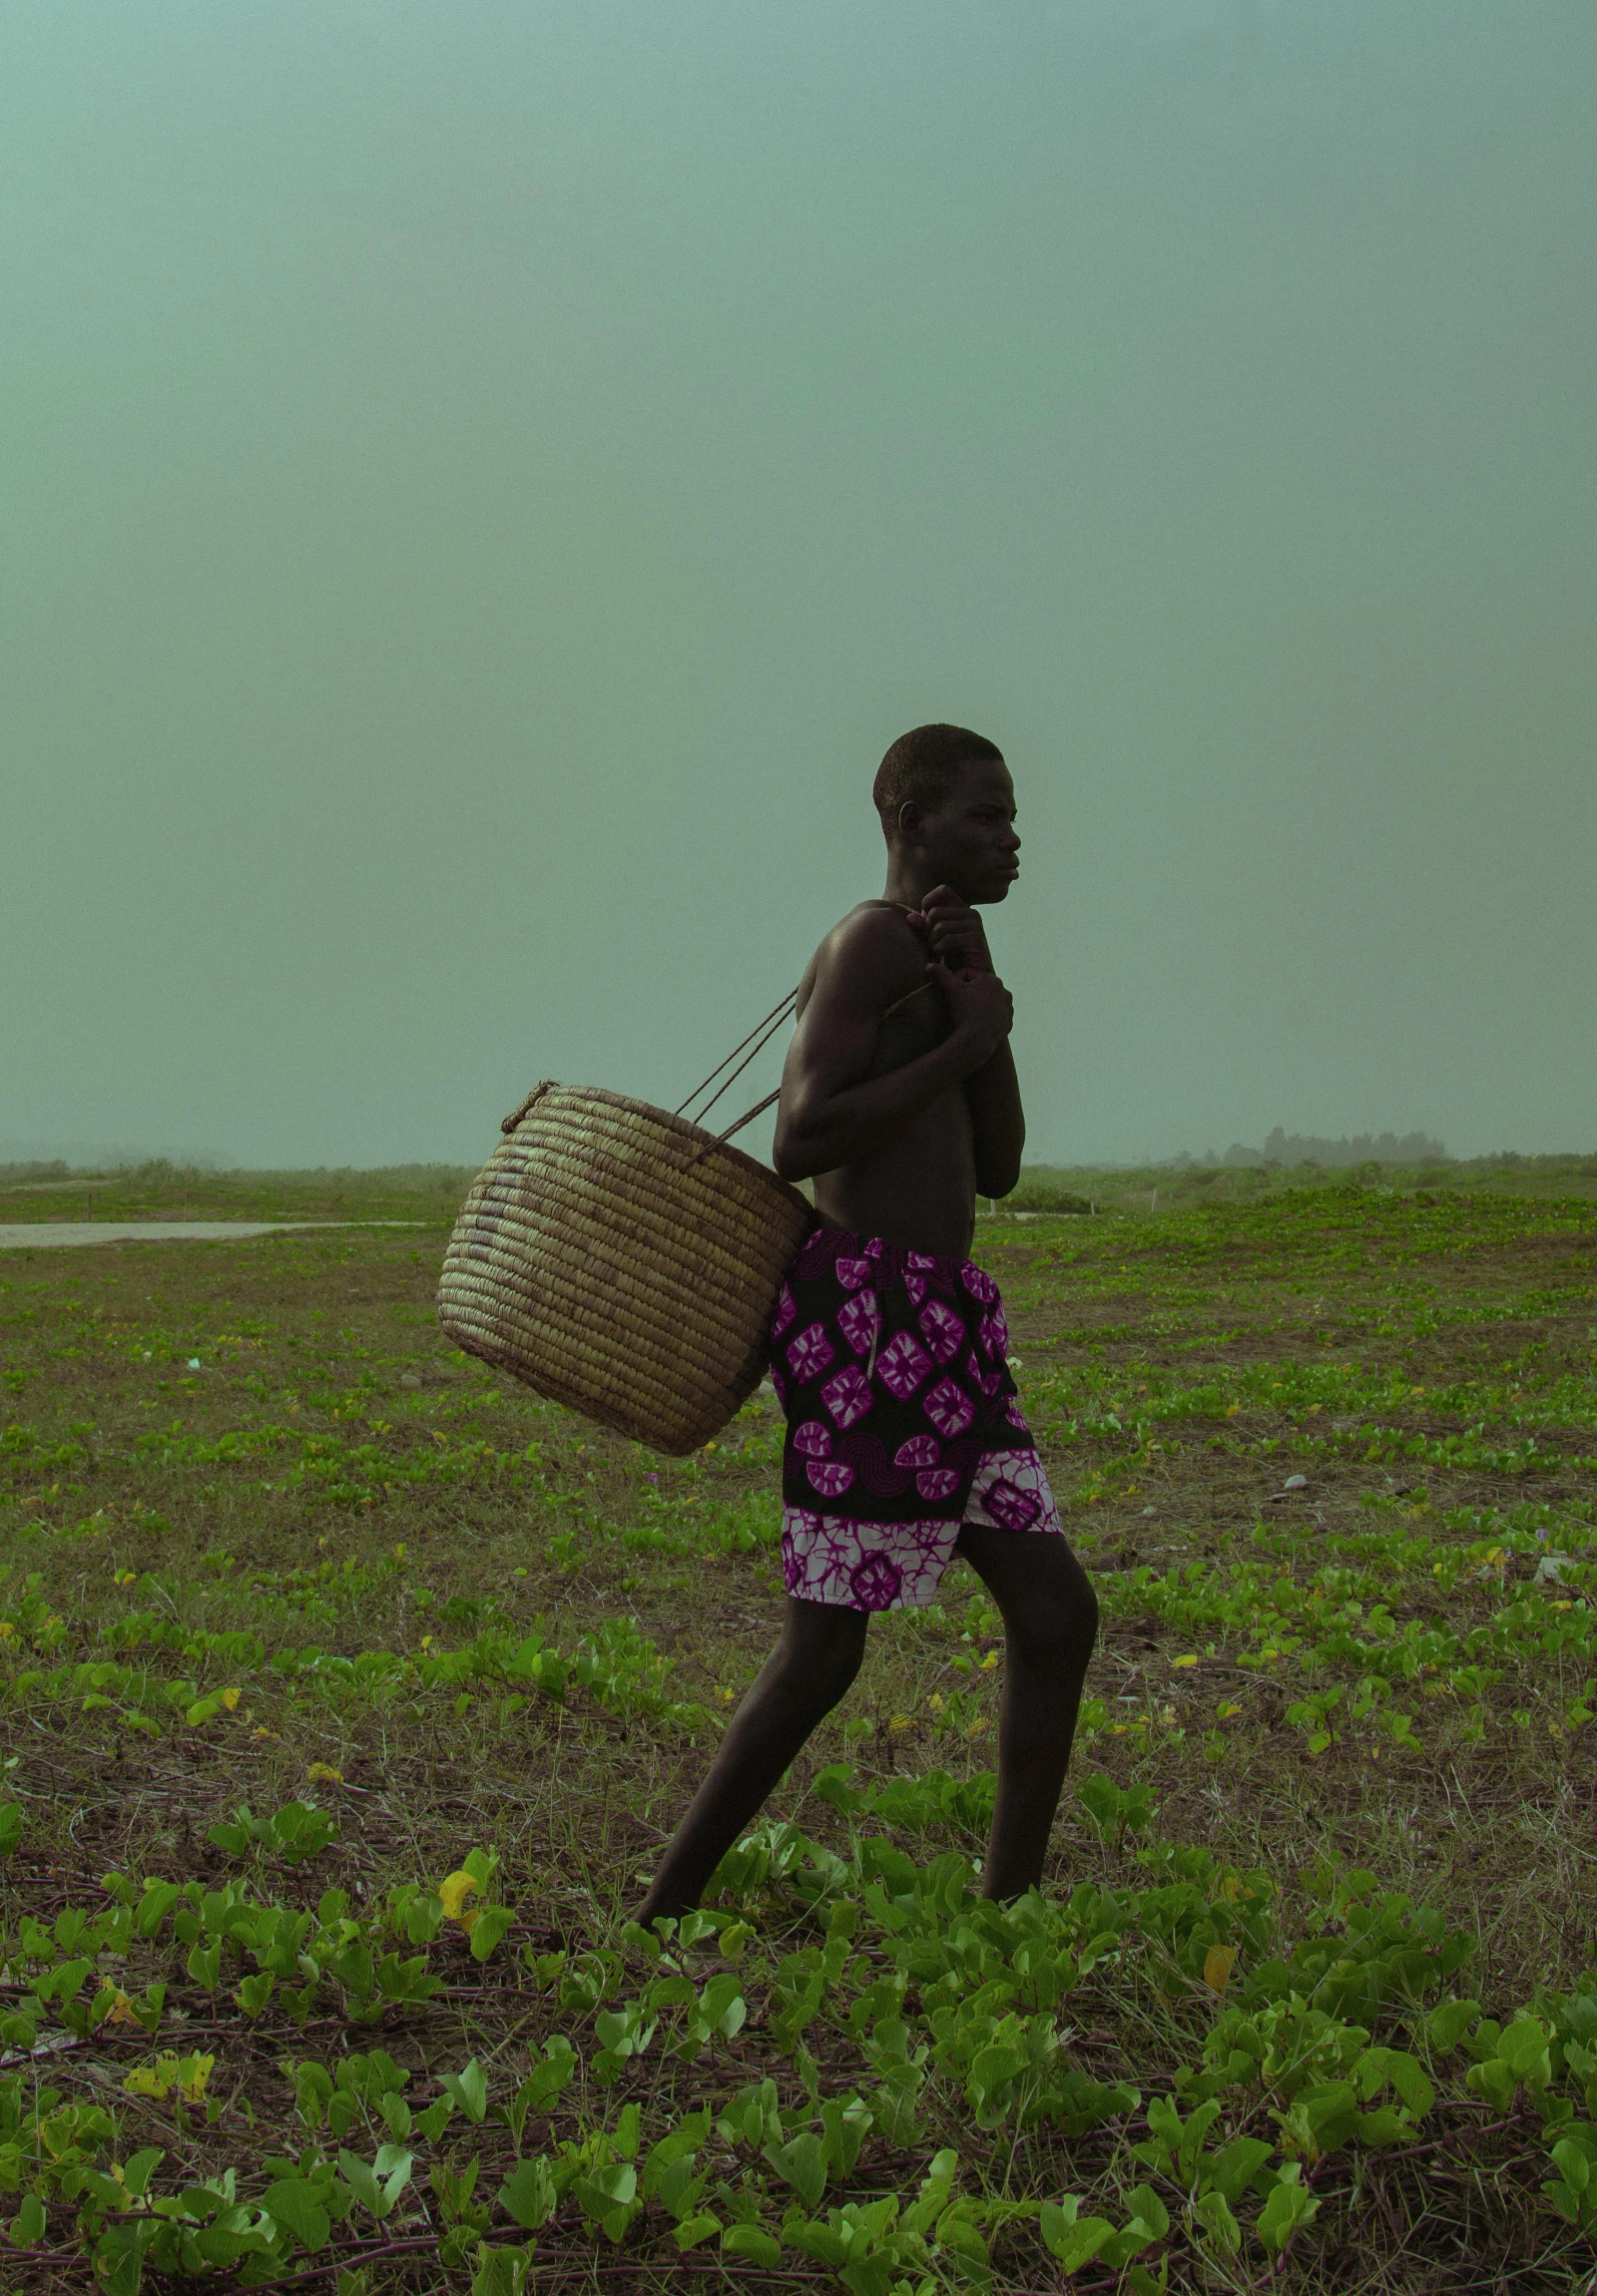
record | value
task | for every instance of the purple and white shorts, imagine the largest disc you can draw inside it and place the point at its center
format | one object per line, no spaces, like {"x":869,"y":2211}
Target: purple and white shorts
{"x":903,"y":1420}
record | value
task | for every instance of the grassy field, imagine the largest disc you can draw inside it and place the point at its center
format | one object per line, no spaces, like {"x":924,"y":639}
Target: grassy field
{"x":347,"y":1693}
{"x":1138,"y":1188}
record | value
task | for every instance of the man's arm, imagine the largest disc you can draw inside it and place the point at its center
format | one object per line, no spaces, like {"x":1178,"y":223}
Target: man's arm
{"x":830,"y":1113}
{"x":998,"y":1122}
{"x":992,"y":1091}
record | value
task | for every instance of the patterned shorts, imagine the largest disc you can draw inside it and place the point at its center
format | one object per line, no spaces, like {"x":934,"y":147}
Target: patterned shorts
{"x":903,"y":1420}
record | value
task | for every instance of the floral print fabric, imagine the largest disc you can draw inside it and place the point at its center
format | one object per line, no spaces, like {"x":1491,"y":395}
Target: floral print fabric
{"x":903,"y":1420}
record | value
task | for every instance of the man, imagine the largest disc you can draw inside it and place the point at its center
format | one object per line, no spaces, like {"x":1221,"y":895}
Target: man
{"x":906,"y":1442}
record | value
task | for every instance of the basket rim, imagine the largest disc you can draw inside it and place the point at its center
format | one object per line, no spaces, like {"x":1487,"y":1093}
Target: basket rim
{"x":670,"y":1122}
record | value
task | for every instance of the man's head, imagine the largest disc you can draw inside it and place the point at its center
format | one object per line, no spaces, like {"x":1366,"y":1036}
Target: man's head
{"x":947,"y":809}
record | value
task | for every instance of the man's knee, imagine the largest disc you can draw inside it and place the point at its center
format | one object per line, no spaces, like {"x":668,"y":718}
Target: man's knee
{"x":1060,"y":1624}
{"x":821,"y":1653}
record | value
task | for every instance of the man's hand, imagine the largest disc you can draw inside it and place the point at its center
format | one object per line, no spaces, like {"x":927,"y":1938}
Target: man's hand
{"x":953,"y":929}
{"x":980,"y":1007}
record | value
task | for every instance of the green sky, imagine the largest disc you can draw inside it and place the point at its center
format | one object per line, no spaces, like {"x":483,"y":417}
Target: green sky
{"x":483,"y":483}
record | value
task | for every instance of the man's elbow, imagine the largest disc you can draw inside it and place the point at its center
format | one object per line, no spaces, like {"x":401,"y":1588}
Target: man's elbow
{"x":790,"y":1150}
{"x":995,"y":1179}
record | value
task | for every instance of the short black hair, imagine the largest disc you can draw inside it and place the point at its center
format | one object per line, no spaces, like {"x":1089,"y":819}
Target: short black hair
{"x":921,"y":768}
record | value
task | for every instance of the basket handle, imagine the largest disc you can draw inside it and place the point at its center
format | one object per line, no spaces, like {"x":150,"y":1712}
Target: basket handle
{"x":757,"y":1039}
{"x":510,"y":1123}
{"x":758,"y":1111}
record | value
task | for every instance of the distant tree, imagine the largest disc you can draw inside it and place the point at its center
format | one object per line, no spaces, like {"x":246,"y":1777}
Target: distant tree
{"x":1284,"y":1147}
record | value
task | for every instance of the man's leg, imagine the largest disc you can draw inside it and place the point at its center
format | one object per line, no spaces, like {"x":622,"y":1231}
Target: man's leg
{"x":1050,"y":1616}
{"x":798,"y":1686}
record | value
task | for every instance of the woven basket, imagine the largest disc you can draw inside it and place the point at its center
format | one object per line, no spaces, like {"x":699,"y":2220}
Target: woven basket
{"x":623,"y":1261}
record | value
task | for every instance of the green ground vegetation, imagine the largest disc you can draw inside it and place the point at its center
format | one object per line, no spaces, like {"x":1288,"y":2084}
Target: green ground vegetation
{"x":1136,"y":1190}
{"x":347,"y":1691}
{"x":422,"y":1192}
{"x":164,"y":1190}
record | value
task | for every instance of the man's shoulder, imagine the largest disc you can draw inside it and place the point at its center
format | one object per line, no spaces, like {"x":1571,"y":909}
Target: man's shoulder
{"x":871,"y":947}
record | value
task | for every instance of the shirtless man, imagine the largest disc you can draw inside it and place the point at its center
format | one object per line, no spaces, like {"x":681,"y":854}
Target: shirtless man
{"x":905,"y":1441}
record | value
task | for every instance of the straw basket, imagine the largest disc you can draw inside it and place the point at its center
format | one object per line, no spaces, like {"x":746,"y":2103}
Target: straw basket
{"x":623,"y":1261}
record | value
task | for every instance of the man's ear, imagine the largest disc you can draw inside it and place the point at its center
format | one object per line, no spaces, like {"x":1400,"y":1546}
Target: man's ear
{"x":910,"y":816}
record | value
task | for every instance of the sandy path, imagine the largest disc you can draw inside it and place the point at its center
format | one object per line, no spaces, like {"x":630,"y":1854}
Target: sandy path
{"x":32,"y":1235}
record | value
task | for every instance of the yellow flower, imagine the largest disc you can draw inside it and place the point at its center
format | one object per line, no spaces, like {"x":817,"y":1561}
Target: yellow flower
{"x":1191,"y":1659}
{"x":6,"y":1630}
{"x":121,"y":2011}
{"x":230,"y":1698}
{"x":326,"y":1773}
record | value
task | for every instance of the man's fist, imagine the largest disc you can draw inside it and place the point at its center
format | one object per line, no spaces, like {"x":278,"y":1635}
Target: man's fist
{"x":980,"y":1007}
{"x":953,"y":929}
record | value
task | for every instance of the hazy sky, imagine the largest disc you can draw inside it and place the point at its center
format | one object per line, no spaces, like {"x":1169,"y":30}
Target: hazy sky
{"x":484,"y":482}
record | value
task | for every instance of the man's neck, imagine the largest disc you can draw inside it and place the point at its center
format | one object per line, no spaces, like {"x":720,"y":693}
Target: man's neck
{"x":907,"y":883}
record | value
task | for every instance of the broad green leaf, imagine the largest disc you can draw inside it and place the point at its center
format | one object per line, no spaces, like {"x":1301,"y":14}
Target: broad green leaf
{"x":28,"y":2225}
{"x":695,"y":2231}
{"x":361,"y":2179}
{"x":749,"y":2240}
{"x":296,"y":2206}
{"x":1449,"y":2020}
{"x":468,"y":2088}
{"x":136,"y":2172}
{"x":488,"y":1929}
{"x":1213,"y":2213}
{"x":1288,"y":2208}
{"x":395,"y":2165}
{"x":823,"y":2241}
{"x":528,"y":2194}
{"x":801,"y":2163}
{"x":1074,"y":2239}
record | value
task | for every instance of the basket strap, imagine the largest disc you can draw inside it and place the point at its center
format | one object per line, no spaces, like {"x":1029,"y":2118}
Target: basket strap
{"x":766,"y":1031}
{"x":757,"y":1039}
{"x":770,"y":1100}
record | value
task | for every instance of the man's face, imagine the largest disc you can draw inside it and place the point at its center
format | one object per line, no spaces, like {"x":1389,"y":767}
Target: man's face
{"x":969,"y":838}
